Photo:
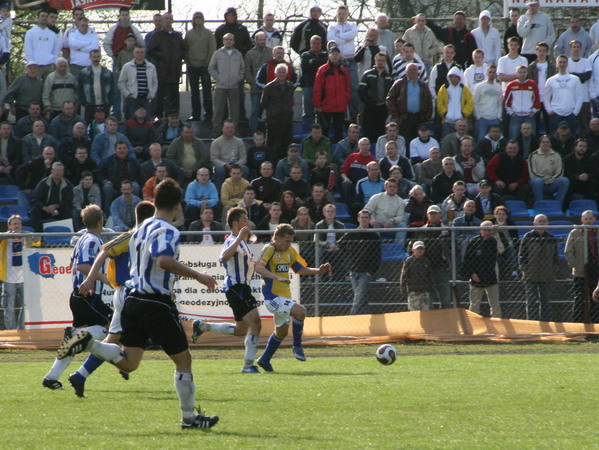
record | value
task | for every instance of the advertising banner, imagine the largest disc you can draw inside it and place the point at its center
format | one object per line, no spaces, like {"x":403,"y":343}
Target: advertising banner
{"x":48,"y":285}
{"x":554,"y":3}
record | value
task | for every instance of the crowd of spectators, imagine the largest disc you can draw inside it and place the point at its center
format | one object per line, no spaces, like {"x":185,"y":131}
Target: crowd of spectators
{"x":438,"y":120}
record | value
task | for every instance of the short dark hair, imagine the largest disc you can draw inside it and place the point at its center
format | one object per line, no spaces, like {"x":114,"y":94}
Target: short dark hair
{"x":515,"y":39}
{"x":235,"y":166}
{"x":144,"y":210}
{"x":124,"y":9}
{"x":168,"y":194}
{"x":86,"y":173}
{"x":542,"y":44}
{"x":315,"y":126}
{"x":235,"y":214}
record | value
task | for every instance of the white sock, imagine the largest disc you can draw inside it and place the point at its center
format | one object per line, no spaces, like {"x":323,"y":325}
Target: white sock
{"x":58,"y":368}
{"x":186,"y":390}
{"x":98,"y":332}
{"x":221,"y":328}
{"x":108,"y":352}
{"x":251,"y":347}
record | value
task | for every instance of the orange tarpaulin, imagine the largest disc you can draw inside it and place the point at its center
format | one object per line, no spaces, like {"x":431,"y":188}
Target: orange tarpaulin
{"x":449,"y":325}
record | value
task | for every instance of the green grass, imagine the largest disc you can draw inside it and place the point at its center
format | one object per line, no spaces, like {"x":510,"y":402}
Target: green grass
{"x":434,"y":396}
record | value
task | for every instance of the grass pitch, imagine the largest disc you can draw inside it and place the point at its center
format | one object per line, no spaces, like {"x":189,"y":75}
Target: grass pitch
{"x":434,"y":396}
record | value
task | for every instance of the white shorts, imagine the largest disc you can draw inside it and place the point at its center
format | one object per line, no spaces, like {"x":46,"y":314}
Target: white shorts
{"x":280,"y":307}
{"x":118,"y":301}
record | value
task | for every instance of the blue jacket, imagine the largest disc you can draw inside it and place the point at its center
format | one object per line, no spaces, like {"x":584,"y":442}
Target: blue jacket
{"x":195,"y":193}
{"x":101,"y":147}
{"x":117,"y":212}
{"x":366,"y":188}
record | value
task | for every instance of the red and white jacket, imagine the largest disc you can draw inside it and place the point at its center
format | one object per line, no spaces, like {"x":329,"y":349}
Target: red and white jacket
{"x":522,"y":99}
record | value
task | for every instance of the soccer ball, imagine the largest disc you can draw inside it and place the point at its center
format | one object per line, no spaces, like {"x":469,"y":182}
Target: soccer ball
{"x":386,"y":354}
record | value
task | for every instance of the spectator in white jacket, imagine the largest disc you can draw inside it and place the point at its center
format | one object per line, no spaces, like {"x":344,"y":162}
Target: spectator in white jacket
{"x":594,"y":81}
{"x":476,"y":73}
{"x":138,"y":83}
{"x":344,"y":33}
{"x":563,"y":97}
{"x":533,"y":27}
{"x":387,"y":209}
{"x":80,"y":42}
{"x":488,"y":104}
{"x":42,"y":45}
{"x":487,"y":38}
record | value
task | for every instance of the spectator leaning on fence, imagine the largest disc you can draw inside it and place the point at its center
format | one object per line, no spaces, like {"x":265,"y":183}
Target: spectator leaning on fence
{"x":11,"y":275}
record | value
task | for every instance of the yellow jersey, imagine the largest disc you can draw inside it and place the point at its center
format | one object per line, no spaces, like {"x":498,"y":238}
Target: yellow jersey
{"x":279,"y":263}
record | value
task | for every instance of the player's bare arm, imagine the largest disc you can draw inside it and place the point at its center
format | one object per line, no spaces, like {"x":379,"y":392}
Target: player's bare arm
{"x":87,"y":287}
{"x":324,"y":268}
{"x":244,"y":233}
{"x":86,"y":268}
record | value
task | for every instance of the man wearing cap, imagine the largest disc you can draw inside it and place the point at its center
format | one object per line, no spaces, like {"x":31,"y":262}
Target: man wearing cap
{"x":563,"y":97}
{"x":508,"y":171}
{"x":480,"y":267}
{"x":242,"y":42}
{"x":487,"y":38}
{"x":42,"y":45}
{"x":302,"y":34}
{"x":80,"y":42}
{"x":458,"y":35}
{"x":409,"y":102}
{"x":438,"y":253}
{"x":52,"y":198}
{"x":200,"y":46}
{"x":416,"y":279}
{"x":486,"y":201}
{"x":562,"y":141}
{"x":283,"y":170}
{"x":332,"y":94}
{"x":167,"y":48}
{"x":25,"y":89}
{"x":344,"y":33}
{"x":535,"y":26}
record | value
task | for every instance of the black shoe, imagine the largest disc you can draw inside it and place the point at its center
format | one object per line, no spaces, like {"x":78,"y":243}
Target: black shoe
{"x":68,"y":333}
{"x":74,"y":345}
{"x":124,"y":374}
{"x":78,"y":383}
{"x":266,"y":365}
{"x":200,"y":421}
{"x":51,"y":384}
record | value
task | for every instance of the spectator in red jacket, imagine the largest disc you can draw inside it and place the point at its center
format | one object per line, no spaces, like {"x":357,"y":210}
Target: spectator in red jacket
{"x":354,"y":169}
{"x":508,"y":171}
{"x":332,"y":94}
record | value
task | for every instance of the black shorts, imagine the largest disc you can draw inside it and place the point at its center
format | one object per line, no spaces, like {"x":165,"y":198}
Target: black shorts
{"x":89,"y":310}
{"x":152,"y":316}
{"x":240,"y":299}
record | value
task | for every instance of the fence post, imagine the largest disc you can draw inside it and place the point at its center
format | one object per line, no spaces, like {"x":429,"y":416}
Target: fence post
{"x":454,"y":287}
{"x":316,"y":277}
{"x":586,"y":289}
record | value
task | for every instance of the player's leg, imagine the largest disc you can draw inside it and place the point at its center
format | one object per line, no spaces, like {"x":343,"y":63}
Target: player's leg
{"x":298,"y":312}
{"x":240,"y":300}
{"x":252,"y":322}
{"x":280,"y":307}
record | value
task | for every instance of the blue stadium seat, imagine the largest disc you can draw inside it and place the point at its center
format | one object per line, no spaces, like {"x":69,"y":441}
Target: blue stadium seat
{"x":523,"y":223}
{"x":57,"y":239}
{"x":562,"y":232}
{"x":577,"y":207}
{"x":561,"y":250}
{"x":393,"y":252}
{"x":350,"y":226}
{"x":9,"y":193}
{"x":342,"y":212}
{"x":28,"y":229}
{"x":373,"y":149}
{"x":517,"y":208}
{"x":550,"y":208}
{"x":8,"y":210}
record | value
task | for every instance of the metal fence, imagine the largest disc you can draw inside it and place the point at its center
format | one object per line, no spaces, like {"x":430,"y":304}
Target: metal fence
{"x":534,"y":272}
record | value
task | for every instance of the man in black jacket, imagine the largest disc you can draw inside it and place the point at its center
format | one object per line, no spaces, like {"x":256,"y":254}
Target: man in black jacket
{"x":480,"y":267}
{"x":373,"y":89}
{"x":52,"y":198}
{"x":302,"y":34}
{"x":362,"y":251}
{"x":457,"y":35}
{"x":582,"y":172}
{"x":311,"y":60}
{"x":113,"y":170}
{"x":206,"y":223}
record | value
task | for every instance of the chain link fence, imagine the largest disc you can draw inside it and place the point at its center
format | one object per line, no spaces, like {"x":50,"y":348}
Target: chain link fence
{"x":526,"y":273}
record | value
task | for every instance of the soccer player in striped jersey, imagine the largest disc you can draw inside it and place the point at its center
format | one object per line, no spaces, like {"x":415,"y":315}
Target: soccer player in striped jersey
{"x":89,"y":313}
{"x":277,"y":258}
{"x":117,"y":251}
{"x":236,"y":256}
{"x":150,"y":311}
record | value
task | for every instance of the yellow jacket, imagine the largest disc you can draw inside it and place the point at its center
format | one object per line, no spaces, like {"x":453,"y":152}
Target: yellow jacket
{"x":443,"y":100}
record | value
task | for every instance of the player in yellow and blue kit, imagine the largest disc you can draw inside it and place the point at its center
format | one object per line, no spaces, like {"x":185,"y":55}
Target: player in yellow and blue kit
{"x":277,"y":258}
